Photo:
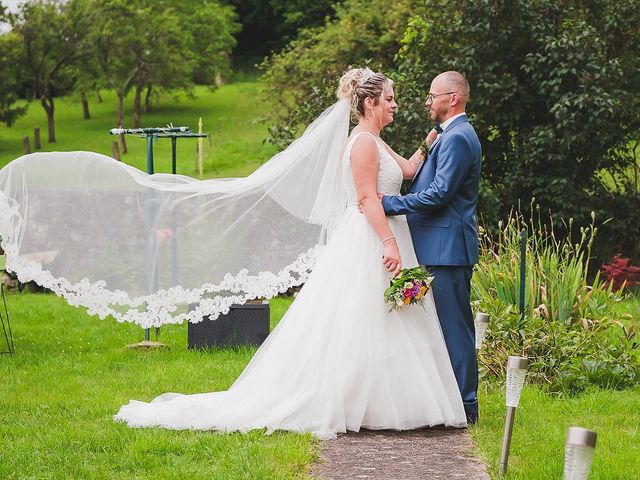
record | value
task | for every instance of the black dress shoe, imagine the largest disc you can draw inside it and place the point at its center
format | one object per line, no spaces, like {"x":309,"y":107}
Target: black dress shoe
{"x":441,"y":426}
{"x":472,"y":418}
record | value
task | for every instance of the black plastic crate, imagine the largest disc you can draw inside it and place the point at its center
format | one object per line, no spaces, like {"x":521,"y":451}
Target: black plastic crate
{"x":244,"y":325}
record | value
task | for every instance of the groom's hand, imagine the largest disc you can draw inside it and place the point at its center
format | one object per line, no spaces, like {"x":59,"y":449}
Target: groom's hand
{"x":360,"y":202}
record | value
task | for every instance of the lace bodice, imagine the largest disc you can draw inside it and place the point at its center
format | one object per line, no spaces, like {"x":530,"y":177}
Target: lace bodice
{"x":389,"y":173}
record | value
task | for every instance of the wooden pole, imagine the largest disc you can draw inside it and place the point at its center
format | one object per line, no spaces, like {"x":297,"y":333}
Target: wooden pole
{"x":36,"y":138}
{"x":123,"y":142}
{"x":26,"y":148}
{"x":116,"y":150}
{"x":200,"y":149}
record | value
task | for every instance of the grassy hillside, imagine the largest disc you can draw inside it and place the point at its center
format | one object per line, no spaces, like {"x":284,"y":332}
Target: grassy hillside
{"x":234,"y":116}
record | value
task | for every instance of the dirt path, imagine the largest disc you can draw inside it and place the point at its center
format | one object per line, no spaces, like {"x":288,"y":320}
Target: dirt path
{"x":416,"y":454}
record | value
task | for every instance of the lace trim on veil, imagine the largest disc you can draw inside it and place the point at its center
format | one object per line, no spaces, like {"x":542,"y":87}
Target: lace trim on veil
{"x":161,"y":307}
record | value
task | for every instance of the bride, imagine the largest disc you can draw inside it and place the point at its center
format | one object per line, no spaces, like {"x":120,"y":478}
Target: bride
{"x":338,"y":360}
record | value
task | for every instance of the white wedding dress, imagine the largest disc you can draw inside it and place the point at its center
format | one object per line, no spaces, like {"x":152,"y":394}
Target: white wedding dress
{"x":338,"y":360}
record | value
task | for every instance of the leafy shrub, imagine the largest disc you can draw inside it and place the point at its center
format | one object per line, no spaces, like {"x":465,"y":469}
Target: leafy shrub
{"x":302,"y":79}
{"x":620,"y":273}
{"x":554,"y":94}
{"x":571,"y":331}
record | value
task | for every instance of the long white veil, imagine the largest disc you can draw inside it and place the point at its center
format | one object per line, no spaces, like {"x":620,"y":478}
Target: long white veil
{"x":141,"y":247}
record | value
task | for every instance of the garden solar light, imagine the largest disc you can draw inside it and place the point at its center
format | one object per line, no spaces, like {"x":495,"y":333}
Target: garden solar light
{"x":481,"y":323}
{"x":578,"y":453}
{"x":516,"y":373}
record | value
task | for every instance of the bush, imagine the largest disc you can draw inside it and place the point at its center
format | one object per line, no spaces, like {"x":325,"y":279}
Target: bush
{"x":620,"y":273}
{"x":571,"y":331}
{"x":302,"y":79}
{"x":554,"y":94}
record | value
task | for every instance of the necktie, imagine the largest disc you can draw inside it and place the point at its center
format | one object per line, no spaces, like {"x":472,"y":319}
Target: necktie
{"x":438,"y":128}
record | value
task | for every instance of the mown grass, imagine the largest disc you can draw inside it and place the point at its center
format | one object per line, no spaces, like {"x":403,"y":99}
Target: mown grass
{"x":541,"y":423}
{"x":71,"y":373}
{"x":234,"y":115}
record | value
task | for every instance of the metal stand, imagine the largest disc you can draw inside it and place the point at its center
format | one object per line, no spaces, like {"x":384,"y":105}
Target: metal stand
{"x":6,"y":326}
{"x":152,"y":134}
{"x":506,"y":440}
{"x":514,"y":365}
{"x":523,"y":271}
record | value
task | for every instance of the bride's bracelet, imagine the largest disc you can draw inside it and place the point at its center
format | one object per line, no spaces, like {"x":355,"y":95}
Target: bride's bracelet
{"x":388,"y":238}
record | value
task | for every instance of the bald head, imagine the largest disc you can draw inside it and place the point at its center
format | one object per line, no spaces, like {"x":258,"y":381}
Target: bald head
{"x":454,"y":81}
{"x":448,"y":96}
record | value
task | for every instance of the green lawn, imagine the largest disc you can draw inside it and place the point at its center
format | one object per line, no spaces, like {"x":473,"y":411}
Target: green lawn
{"x":539,"y":434}
{"x":72,"y":372}
{"x":234,"y":116}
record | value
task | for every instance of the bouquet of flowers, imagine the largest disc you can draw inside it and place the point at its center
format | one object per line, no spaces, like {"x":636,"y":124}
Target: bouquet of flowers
{"x":408,"y":287}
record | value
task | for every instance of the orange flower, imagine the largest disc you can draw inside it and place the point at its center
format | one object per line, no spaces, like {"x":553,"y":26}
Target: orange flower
{"x":407,"y":300}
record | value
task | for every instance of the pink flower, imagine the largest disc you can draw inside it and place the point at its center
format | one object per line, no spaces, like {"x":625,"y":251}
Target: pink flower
{"x":162,"y":234}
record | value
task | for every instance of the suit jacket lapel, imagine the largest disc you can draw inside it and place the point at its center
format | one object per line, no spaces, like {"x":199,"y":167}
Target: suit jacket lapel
{"x":460,"y":119}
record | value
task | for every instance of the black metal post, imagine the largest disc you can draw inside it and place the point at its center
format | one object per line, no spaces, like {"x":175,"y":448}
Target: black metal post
{"x":150,"y":169}
{"x":523,"y":271}
{"x":150,"y":134}
{"x":150,"y":154}
{"x":174,"y":141}
{"x":6,"y":329}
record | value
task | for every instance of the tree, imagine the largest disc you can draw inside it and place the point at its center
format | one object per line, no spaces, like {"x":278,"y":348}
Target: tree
{"x":212,"y":28}
{"x":302,"y":79}
{"x":9,"y":73}
{"x":54,"y":34}
{"x":10,"y":55}
{"x":268,"y":26}
{"x":181,"y":43}
{"x":555,"y":93}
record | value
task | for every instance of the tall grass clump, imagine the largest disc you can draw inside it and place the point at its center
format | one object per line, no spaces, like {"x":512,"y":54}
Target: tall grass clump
{"x":571,"y":330}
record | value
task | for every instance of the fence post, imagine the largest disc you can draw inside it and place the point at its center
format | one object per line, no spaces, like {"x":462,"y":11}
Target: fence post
{"x":26,"y":148}
{"x":124,"y":144}
{"x":36,"y":138}
{"x":116,"y":150}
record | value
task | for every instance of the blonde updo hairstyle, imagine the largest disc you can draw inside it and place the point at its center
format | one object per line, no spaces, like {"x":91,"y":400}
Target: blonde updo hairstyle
{"x":358,"y":84}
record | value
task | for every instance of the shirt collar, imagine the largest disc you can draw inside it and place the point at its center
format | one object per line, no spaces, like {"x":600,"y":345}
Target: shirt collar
{"x":446,"y":123}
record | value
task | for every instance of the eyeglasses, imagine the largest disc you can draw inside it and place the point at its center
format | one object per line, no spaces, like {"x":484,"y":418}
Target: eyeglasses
{"x":431,"y":96}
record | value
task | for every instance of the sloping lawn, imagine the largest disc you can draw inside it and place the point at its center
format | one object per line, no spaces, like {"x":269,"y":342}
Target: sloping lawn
{"x":234,"y":116}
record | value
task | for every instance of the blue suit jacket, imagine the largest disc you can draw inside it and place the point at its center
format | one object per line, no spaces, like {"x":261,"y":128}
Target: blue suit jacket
{"x":441,"y":203}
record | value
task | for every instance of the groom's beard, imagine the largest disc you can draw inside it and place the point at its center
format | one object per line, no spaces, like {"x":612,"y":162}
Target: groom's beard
{"x":438,"y":115}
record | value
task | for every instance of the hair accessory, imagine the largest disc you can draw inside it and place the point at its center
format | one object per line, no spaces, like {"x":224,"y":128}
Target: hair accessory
{"x":366,"y":75}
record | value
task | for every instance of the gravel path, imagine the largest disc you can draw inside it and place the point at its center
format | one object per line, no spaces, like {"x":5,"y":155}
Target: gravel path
{"x":415,"y":454}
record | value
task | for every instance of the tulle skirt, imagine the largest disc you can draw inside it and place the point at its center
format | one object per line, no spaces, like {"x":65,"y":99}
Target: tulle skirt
{"x":337,"y":361}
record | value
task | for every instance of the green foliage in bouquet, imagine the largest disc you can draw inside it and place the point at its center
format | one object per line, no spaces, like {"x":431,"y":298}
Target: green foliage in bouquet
{"x":572,"y":331}
{"x":408,"y":287}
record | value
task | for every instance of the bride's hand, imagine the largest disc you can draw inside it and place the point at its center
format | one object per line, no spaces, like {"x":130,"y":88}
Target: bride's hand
{"x":391,"y":257}
{"x":431,"y":137}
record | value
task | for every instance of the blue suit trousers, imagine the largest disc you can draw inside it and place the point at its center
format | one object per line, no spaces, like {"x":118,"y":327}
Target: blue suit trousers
{"x":451,"y":291}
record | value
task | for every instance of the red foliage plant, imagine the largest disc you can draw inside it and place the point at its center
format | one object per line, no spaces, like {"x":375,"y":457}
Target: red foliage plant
{"x":619,"y":270}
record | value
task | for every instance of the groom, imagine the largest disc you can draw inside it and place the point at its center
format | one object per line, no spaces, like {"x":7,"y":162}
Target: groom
{"x":441,"y":212}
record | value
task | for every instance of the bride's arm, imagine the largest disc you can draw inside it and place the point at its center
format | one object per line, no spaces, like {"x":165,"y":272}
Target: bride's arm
{"x":411,"y":165}
{"x":365,"y":162}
